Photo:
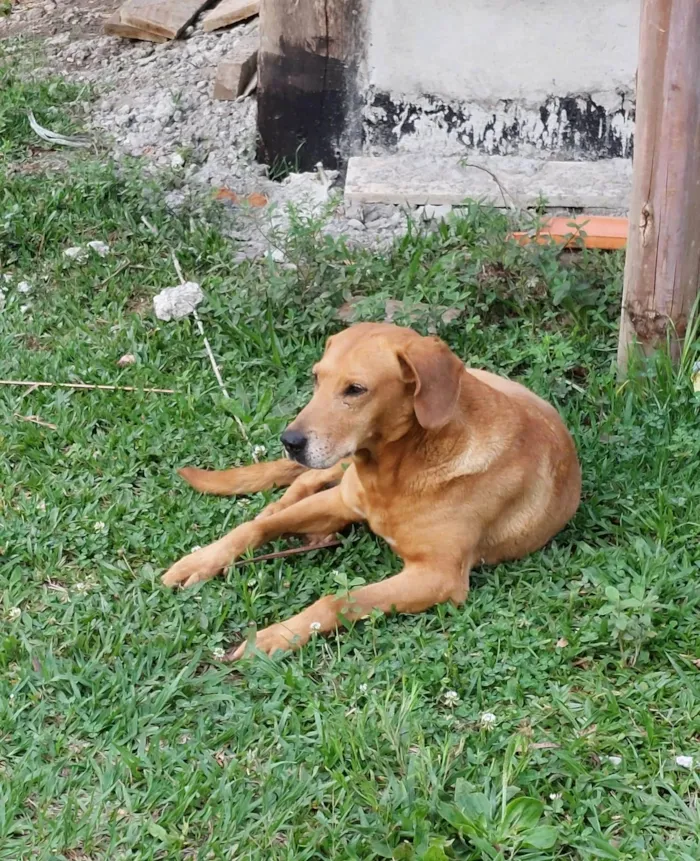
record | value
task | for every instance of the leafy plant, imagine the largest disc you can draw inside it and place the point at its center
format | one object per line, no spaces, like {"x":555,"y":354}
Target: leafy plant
{"x":629,"y":608}
{"x":497,"y":821}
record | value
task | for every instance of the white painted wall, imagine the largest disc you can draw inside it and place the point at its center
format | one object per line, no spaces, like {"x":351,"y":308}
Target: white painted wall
{"x":502,"y":49}
{"x":485,"y":52}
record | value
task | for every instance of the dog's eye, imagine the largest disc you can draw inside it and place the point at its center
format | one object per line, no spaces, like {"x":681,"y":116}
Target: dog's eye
{"x":353,"y":390}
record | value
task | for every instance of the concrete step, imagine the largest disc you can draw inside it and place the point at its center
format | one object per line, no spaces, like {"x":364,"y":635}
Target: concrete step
{"x":598,"y":187}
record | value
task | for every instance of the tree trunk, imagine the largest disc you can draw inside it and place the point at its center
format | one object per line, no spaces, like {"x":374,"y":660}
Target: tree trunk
{"x":311,"y":54}
{"x":662,"y":268}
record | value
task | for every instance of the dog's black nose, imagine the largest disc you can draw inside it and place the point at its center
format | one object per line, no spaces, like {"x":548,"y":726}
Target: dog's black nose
{"x":294,"y":442}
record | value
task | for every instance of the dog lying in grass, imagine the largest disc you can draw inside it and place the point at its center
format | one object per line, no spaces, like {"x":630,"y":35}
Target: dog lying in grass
{"x":451,"y":466}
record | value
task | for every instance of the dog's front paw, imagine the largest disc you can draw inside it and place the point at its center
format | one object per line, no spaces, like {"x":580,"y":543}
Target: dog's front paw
{"x":194,"y":568}
{"x":201,"y":565}
{"x":209,"y":561}
{"x":275,"y":638}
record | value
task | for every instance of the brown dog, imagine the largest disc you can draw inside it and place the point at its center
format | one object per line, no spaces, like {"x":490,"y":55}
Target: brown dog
{"x":451,"y":466}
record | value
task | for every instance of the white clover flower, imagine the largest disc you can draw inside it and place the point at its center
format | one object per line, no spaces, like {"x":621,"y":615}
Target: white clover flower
{"x":41,"y":505}
{"x":488,"y":719}
{"x":99,"y":526}
{"x":259,"y":451}
{"x":553,"y":796}
{"x":314,"y":627}
{"x":451,"y":698}
{"x":196,"y":548}
{"x":218,"y":653}
{"x":82,"y":587}
{"x":363,"y":688}
{"x":684,"y":761}
{"x":252,"y":582}
{"x":14,"y":614}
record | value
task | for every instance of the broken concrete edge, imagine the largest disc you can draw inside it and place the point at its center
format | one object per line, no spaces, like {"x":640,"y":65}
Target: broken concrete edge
{"x":369,"y":212}
{"x":602,"y":186}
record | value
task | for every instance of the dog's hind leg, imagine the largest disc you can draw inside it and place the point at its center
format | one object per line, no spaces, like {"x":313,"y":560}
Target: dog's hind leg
{"x":243,"y":479}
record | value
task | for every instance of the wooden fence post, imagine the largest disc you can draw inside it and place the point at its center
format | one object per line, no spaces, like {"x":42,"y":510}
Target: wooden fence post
{"x":311,"y":57}
{"x":662,"y":268}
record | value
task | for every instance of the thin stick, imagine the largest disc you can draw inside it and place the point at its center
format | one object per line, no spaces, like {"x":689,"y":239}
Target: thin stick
{"x":35,"y":421}
{"x":207,"y":346}
{"x":212,"y":360}
{"x":504,"y":192}
{"x":293,"y":551}
{"x":114,"y":274}
{"x":37,"y":384}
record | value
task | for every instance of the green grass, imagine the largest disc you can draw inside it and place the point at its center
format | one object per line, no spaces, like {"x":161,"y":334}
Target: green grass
{"x":121,"y":736}
{"x":52,"y":100}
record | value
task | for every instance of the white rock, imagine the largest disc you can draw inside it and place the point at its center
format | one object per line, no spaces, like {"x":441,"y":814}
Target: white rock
{"x":684,"y":761}
{"x":24,"y":287}
{"x":176,"y":161}
{"x":614,"y":760}
{"x":127,"y":359}
{"x":98,"y":247}
{"x":75,"y":252}
{"x":176,"y":302}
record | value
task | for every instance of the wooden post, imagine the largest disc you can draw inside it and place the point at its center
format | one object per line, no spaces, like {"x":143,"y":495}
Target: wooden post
{"x":311,"y":54}
{"x":662,"y":269}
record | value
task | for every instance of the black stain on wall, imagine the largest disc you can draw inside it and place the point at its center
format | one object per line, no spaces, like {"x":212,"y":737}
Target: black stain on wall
{"x":571,"y":126}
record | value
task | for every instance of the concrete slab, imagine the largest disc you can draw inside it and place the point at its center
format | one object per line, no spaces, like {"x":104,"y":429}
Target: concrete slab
{"x":417,"y":180}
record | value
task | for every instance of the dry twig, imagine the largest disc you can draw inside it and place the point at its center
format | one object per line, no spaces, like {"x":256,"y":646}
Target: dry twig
{"x":36,"y":384}
{"x":292,"y":551}
{"x":35,"y":421}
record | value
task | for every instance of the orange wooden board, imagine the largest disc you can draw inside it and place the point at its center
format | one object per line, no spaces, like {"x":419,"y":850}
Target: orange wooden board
{"x":591,"y":231}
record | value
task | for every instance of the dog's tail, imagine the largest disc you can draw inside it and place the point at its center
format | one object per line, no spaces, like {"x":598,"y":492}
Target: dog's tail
{"x":244,"y":479}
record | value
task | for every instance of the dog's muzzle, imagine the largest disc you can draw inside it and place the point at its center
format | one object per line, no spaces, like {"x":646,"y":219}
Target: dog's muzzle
{"x":295,"y":444}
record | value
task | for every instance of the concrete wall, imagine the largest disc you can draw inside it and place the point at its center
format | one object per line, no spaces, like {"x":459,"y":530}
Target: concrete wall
{"x":534,"y":77}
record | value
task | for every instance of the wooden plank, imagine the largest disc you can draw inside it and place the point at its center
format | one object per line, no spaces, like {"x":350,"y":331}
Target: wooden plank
{"x":230,"y":12}
{"x":662,"y":270}
{"x":113,"y":26}
{"x":167,"y":18}
{"x":590,"y":231}
{"x":235,"y":73}
{"x":232,"y":78}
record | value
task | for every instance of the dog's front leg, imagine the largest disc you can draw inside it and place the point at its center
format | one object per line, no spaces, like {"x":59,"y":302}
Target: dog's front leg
{"x":416,"y":588}
{"x":323,"y":513}
{"x":310,"y":482}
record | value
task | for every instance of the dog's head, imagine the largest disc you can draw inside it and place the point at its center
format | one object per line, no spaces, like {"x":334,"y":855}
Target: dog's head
{"x":374,"y":384}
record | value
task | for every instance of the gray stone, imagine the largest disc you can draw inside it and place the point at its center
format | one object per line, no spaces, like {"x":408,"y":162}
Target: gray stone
{"x":505,"y":181}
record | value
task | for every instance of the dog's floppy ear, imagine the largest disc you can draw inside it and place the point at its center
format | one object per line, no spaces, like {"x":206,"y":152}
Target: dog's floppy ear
{"x":437,"y":374}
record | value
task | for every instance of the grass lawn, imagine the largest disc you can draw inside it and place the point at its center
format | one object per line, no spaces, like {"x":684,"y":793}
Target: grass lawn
{"x":542,"y":720}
